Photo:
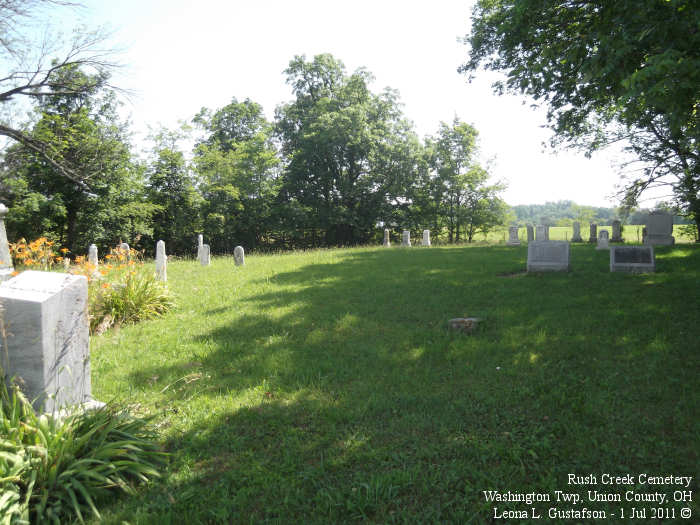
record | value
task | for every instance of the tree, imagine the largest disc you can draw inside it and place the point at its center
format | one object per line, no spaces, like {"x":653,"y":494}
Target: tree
{"x":32,"y":70}
{"x":349,"y":150}
{"x":627,"y":71}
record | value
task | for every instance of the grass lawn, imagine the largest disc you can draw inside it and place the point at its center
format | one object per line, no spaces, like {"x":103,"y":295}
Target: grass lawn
{"x":324,"y":386}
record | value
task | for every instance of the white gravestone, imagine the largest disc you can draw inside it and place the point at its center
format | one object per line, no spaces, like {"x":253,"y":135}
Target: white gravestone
{"x":387,"y":241}
{"x":6,"y":267}
{"x":94,"y":261}
{"x":632,"y":259}
{"x":593,"y":233}
{"x":659,"y":229}
{"x":548,"y":256}
{"x":239,"y":256}
{"x":124,"y":247}
{"x":426,"y":238}
{"x":603,"y":240}
{"x":542,"y":233}
{"x":530,"y":233}
{"x":616,"y":232}
{"x":513,"y":236}
{"x":577,"y":233}
{"x":406,"y":238}
{"x":204,"y":255}
{"x":161,"y":262}
{"x":48,"y":343}
{"x":200,"y":240}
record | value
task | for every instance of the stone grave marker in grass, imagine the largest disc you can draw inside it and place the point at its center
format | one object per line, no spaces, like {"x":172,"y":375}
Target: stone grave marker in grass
{"x":603,"y":238}
{"x":632,"y":259}
{"x":593,"y":233}
{"x":406,"y":238}
{"x":616,"y":232}
{"x":530,"y":233}
{"x":387,"y":241}
{"x":577,"y":233}
{"x":542,"y":233}
{"x":426,"y":238}
{"x":548,"y":256}
{"x":45,"y":321}
{"x":659,"y":229}
{"x":513,"y":236}
{"x":161,"y":262}
{"x":239,"y":256}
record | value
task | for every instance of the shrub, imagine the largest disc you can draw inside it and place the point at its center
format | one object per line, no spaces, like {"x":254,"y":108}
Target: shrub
{"x":55,"y":469}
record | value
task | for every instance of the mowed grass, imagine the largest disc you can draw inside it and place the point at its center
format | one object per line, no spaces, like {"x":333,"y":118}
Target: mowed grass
{"x":324,"y":386}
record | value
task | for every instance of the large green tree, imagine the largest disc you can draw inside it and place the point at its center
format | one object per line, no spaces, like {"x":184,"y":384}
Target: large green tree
{"x":348,"y":150}
{"x":627,"y":70}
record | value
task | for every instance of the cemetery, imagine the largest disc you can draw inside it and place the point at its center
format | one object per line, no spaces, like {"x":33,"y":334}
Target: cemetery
{"x":212,"y":311}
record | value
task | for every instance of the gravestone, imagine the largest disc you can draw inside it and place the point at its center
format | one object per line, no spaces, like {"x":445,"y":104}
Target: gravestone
{"x":603,"y":238}
{"x":406,"y":238}
{"x":124,"y":247}
{"x":161,"y":262}
{"x":45,"y":314}
{"x":659,"y":229}
{"x":530,"y":233}
{"x":542,"y":233}
{"x":577,"y":233}
{"x":204,"y":255}
{"x":200,"y":240}
{"x":513,"y":236}
{"x":94,"y":261}
{"x":6,"y":267}
{"x":239,"y":256}
{"x":616,"y":232}
{"x":426,"y":238}
{"x":66,"y":263}
{"x":593,"y":237}
{"x":632,"y":259}
{"x":387,"y":241}
{"x":548,"y":256}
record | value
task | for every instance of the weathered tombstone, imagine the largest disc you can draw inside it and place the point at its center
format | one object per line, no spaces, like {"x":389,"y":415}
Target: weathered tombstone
{"x":577,"y":233}
{"x":239,"y":256}
{"x":593,"y":237}
{"x":426,"y":238}
{"x":616,"y":232}
{"x":6,"y":267}
{"x":530,"y":233}
{"x":406,"y":238}
{"x":45,"y":314}
{"x":644,"y":235}
{"x":66,"y":263}
{"x":161,"y":262}
{"x":204,"y":255}
{"x":542,"y":233}
{"x":603,"y":238}
{"x":548,"y":256}
{"x":513,"y":236}
{"x":659,"y":228}
{"x":94,"y":261}
{"x":387,"y":240}
{"x":200,"y":240}
{"x":124,"y":247}
{"x":632,"y":259}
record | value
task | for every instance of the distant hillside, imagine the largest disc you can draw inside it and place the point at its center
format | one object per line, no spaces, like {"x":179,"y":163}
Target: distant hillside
{"x":563,"y":213}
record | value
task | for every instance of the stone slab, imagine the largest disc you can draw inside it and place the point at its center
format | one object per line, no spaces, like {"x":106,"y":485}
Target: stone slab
{"x":632,"y":259}
{"x":548,"y":256}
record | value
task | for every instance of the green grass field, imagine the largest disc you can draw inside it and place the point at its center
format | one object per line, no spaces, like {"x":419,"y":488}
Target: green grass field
{"x":324,"y":386}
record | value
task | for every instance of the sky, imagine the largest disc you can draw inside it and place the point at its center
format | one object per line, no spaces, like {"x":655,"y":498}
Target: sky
{"x":180,"y":56}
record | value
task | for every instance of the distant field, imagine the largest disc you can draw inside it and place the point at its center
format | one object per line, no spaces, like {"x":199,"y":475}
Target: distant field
{"x":324,"y":387}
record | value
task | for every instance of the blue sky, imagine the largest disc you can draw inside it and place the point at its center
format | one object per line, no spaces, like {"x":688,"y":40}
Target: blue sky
{"x":182,"y":55}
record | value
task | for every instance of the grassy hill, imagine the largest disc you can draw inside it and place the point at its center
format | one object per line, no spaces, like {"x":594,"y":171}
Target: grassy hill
{"x":324,"y":386}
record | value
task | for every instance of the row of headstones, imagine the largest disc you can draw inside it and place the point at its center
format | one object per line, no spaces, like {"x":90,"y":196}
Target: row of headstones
{"x":658,"y":231}
{"x":554,"y":256}
{"x":406,"y":238}
{"x":204,"y":253}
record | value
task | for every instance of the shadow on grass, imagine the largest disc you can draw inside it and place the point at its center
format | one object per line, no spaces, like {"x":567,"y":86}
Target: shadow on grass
{"x":357,"y":403}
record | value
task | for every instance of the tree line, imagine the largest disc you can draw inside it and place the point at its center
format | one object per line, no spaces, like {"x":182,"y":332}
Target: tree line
{"x":336,"y":165}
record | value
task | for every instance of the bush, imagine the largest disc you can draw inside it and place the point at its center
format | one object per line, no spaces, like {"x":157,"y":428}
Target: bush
{"x":53,"y":470}
{"x":137,"y":297}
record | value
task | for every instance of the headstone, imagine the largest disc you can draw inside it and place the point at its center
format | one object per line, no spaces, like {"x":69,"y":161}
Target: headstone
{"x":387,"y":241}
{"x":660,"y":229}
{"x":426,"y":238}
{"x":542,"y":233}
{"x":530,"y":233}
{"x":548,"y":256}
{"x":577,"y":233}
{"x":513,"y":236}
{"x":200,"y":240}
{"x":464,"y":324}
{"x":603,"y":238}
{"x":161,"y":262}
{"x":406,"y":238}
{"x":94,"y":261}
{"x":6,"y":267}
{"x":66,"y":263}
{"x":644,"y":235}
{"x":593,"y":237}
{"x":204,"y":255}
{"x":124,"y":247}
{"x":45,"y":314}
{"x":616,"y":232}
{"x":632,"y":259}
{"x":239,"y":256}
